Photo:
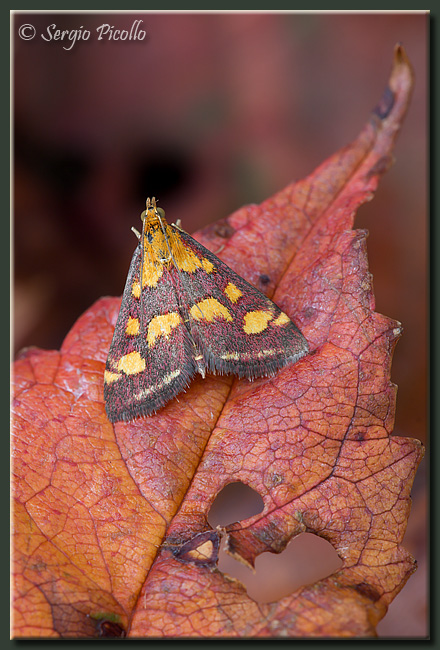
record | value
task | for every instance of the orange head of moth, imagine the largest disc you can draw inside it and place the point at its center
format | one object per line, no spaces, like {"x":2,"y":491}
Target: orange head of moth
{"x":153,"y":214}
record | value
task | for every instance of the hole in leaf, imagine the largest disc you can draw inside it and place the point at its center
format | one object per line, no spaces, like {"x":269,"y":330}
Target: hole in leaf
{"x":235,"y":502}
{"x":306,"y":559}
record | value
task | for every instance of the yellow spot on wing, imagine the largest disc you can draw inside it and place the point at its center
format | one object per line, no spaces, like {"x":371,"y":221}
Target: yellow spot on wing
{"x":209,"y":309}
{"x":186,"y":260}
{"x":207,"y":265}
{"x":231,"y":356}
{"x":136,"y":289}
{"x":131,"y":363}
{"x":233,"y":292}
{"x":268,"y":353}
{"x":152,"y":272}
{"x":162,"y":326}
{"x":256,"y":321}
{"x":132,"y":328}
{"x":110,"y":377}
{"x":169,"y":378}
{"x":282,"y":319}
{"x":250,"y":356}
{"x":153,"y":389}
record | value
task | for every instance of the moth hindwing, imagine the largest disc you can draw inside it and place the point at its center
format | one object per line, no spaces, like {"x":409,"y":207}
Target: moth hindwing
{"x":184,"y":312}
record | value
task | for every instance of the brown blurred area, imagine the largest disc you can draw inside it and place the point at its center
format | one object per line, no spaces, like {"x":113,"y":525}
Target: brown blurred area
{"x":207,"y":113}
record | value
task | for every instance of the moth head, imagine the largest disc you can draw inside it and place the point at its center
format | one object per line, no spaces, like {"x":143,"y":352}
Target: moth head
{"x":152,"y":212}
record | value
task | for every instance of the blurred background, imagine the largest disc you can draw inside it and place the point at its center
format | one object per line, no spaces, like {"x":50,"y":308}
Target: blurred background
{"x":209,"y":112}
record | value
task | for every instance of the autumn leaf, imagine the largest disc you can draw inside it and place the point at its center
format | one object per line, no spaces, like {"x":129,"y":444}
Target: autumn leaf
{"x":111,"y":536}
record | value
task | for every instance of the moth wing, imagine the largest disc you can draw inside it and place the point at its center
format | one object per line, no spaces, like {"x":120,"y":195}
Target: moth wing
{"x":237,"y":328}
{"x":151,"y":356}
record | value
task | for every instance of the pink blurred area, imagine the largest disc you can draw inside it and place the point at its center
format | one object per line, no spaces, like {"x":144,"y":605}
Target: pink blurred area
{"x":209,"y":112}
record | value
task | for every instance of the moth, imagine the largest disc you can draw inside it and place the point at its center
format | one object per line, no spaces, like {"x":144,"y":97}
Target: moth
{"x":184,"y":312}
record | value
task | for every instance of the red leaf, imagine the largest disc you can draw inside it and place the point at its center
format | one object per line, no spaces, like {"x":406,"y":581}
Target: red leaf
{"x":111,"y":521}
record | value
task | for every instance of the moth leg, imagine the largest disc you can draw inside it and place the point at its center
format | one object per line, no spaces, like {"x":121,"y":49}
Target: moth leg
{"x":201,"y":368}
{"x":178,"y":225}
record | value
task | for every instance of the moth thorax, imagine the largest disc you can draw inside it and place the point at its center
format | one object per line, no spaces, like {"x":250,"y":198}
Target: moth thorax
{"x":156,"y":243}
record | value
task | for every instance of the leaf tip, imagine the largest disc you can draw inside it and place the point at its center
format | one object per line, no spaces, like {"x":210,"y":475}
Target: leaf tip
{"x":400,"y":55}
{"x":402,"y":72}
{"x":395,"y":100}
